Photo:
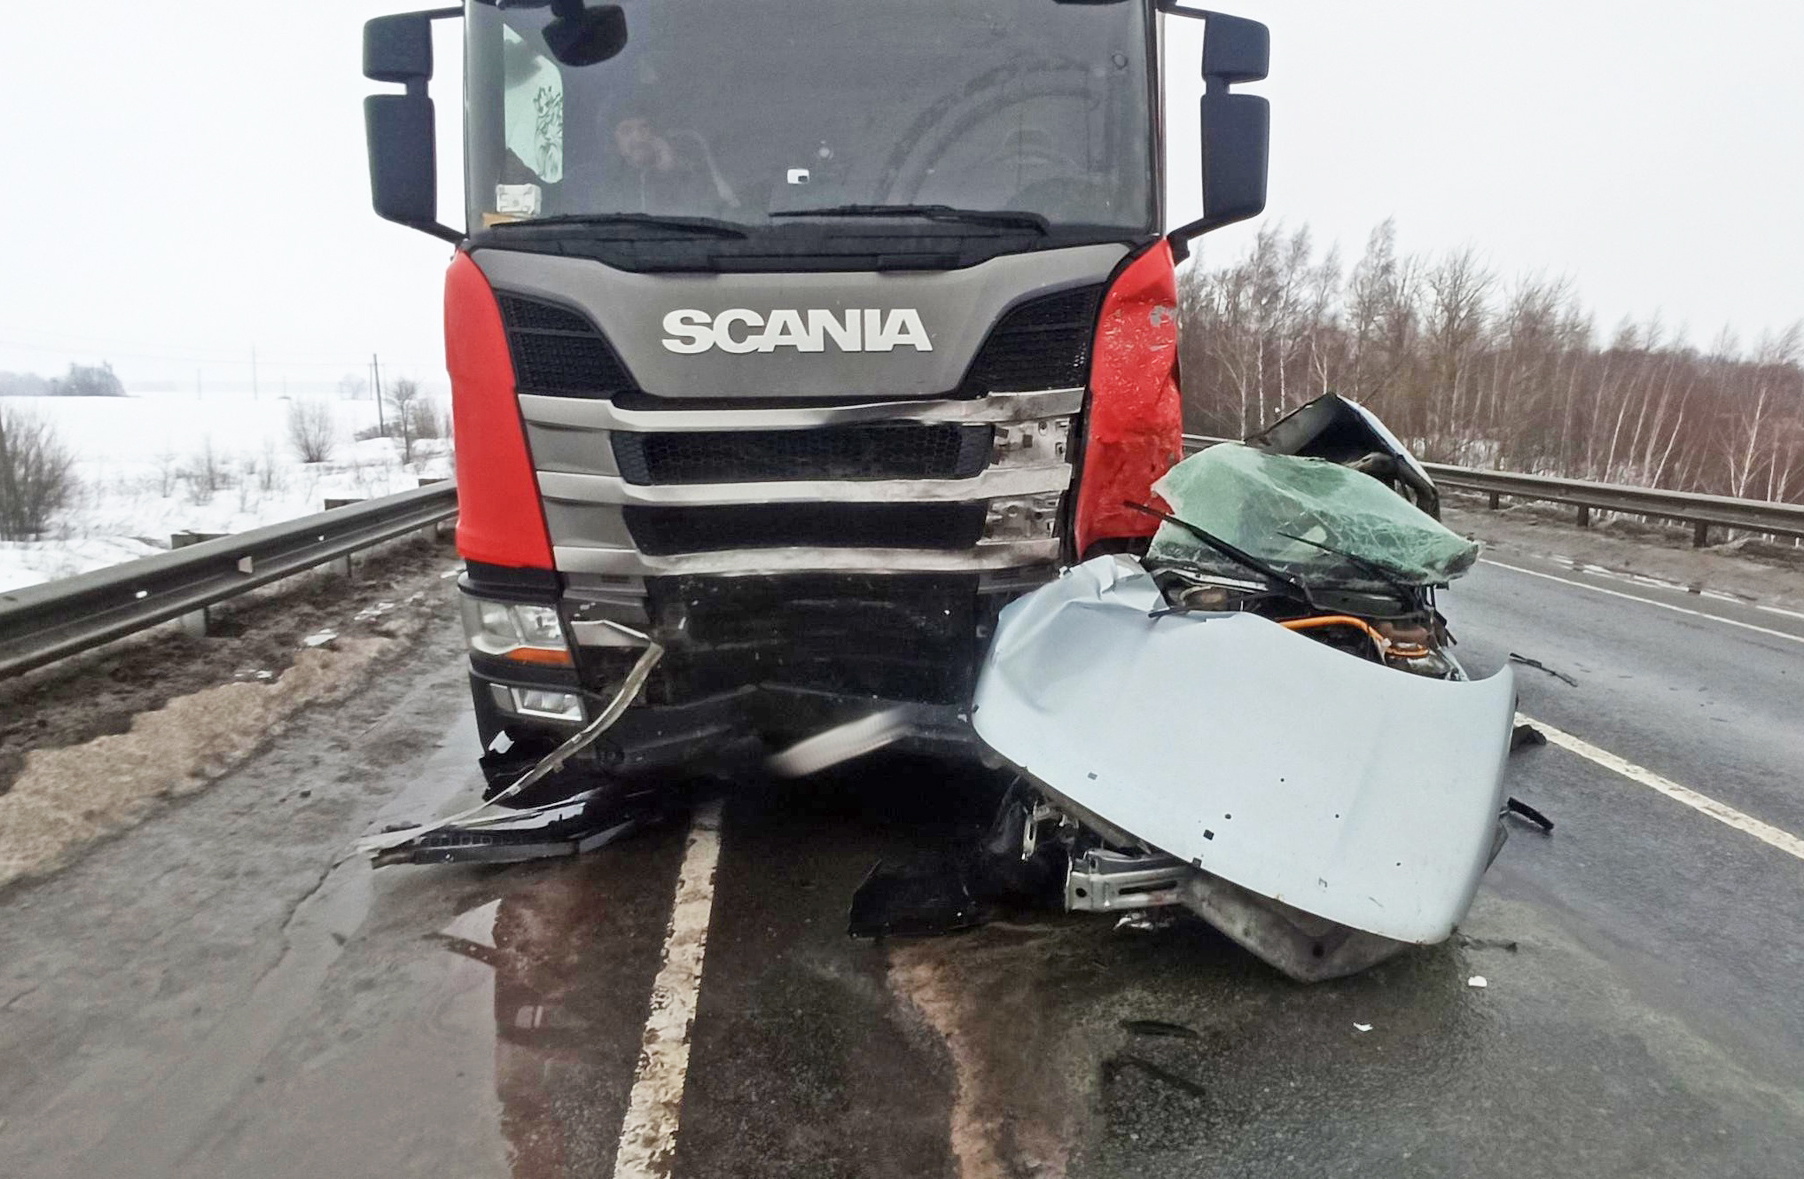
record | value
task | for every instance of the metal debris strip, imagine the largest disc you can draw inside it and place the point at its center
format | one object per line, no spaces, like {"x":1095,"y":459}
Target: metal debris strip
{"x":378,"y":846}
{"x":1525,"y":661}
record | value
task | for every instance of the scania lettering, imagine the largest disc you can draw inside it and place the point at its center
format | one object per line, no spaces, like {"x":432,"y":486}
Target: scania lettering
{"x":790,"y":340}
{"x":867,"y":330}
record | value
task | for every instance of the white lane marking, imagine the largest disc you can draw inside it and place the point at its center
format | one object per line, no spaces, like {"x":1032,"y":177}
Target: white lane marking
{"x":648,"y":1134}
{"x":1722,"y":813}
{"x":1777,"y":610}
{"x":1598,"y":589}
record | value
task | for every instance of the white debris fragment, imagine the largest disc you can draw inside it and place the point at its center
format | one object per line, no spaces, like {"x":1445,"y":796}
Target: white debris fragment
{"x":1477,"y":980}
{"x":1362,"y":1027}
{"x":320,"y":638}
{"x":502,"y":742}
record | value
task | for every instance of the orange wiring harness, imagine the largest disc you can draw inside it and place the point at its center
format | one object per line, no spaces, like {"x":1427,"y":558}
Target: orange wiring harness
{"x":1386,"y":648}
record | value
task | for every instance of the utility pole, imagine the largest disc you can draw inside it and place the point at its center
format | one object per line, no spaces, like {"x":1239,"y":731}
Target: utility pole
{"x":376,"y":384}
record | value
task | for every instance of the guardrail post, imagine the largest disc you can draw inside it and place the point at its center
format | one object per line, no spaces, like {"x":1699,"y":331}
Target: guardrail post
{"x":1700,"y":535}
{"x":1496,"y":500}
{"x":1584,"y":515}
{"x":194,"y":623}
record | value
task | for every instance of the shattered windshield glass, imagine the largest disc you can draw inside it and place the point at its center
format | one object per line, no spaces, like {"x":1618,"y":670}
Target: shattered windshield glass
{"x":1302,"y":515}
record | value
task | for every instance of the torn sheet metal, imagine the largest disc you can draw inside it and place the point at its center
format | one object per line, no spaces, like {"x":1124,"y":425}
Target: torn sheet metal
{"x":1340,"y":787}
{"x":494,"y":832}
{"x":1343,"y":431}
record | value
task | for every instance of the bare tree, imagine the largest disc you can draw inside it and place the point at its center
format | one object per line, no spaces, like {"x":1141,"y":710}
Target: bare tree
{"x":37,"y":474}
{"x":312,"y":430}
{"x":1476,"y":372}
{"x":204,"y":472}
{"x":403,"y":397}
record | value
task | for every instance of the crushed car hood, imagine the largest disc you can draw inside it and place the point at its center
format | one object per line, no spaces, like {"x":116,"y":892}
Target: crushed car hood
{"x":1346,"y":789}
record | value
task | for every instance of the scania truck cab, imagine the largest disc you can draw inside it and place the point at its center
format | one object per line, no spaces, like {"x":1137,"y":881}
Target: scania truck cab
{"x":798,"y":337}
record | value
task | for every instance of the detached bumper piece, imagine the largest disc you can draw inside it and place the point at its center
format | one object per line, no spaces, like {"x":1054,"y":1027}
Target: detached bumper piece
{"x":567,"y":829}
{"x":492,"y":832}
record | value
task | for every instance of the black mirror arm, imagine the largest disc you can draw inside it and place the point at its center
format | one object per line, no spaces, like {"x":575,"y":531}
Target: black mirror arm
{"x":1236,"y":127}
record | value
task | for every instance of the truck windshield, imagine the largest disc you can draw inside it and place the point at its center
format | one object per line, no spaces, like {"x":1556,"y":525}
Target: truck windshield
{"x":765,"y":112}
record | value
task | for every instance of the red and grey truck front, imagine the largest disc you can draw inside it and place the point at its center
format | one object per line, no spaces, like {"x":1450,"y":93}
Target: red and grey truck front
{"x":799,"y":336}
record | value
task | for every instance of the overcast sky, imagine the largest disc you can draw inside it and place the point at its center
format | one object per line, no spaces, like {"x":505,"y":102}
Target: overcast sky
{"x":185,"y":181}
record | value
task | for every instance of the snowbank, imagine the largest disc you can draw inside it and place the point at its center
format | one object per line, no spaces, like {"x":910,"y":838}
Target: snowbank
{"x":152,"y":466}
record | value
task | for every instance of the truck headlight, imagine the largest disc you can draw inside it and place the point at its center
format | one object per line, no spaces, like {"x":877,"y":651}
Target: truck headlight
{"x":540,"y":702}
{"x":511,"y":630}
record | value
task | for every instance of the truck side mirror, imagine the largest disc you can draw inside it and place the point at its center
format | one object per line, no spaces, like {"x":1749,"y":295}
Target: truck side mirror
{"x":398,"y":48}
{"x":1236,"y":127}
{"x":399,"y":127}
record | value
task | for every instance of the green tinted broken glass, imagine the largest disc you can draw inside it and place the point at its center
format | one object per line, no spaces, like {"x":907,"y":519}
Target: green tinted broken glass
{"x":1258,"y":502}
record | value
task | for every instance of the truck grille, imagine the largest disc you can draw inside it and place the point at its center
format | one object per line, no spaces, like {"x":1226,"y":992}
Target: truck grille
{"x":895,"y":451}
{"x":1042,"y":344}
{"x":900,"y":636}
{"x":662,"y":531}
{"x":558,"y":351}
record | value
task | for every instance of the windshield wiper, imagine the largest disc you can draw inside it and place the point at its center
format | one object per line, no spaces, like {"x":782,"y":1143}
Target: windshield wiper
{"x":1000,"y":219}
{"x":1405,"y":592}
{"x":702,"y":225}
{"x":1264,"y":568}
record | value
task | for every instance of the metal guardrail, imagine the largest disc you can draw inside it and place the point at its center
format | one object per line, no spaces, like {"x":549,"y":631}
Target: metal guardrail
{"x":1702,"y":512}
{"x":43,"y":623}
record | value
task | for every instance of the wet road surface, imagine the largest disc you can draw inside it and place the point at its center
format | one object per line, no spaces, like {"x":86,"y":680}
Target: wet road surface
{"x":222,"y":992}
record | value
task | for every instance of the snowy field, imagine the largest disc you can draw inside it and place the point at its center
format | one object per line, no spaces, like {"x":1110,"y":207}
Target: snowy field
{"x":153,"y":465}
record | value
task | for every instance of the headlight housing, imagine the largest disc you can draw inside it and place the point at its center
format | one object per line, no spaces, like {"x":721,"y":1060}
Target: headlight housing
{"x":518,"y":631}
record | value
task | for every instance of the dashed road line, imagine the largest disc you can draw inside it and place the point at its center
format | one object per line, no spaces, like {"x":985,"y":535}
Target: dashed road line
{"x":1598,"y":589}
{"x":1785,"y":841}
{"x":648,"y":1134}
{"x":1779,"y":610}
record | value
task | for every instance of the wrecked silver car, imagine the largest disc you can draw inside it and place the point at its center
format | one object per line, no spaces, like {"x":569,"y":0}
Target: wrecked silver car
{"x":1260,"y":719}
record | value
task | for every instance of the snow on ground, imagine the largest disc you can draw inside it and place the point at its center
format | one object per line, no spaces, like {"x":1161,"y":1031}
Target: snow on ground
{"x":154,"y":465}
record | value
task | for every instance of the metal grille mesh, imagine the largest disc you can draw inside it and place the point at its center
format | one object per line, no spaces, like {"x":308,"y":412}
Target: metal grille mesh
{"x":558,"y":351}
{"x":890,"y":451}
{"x":1042,"y":344}
{"x":665,"y":531}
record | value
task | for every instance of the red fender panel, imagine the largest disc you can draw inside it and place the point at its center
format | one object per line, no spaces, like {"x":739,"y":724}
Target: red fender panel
{"x":1135,"y":423}
{"x":499,"y":517}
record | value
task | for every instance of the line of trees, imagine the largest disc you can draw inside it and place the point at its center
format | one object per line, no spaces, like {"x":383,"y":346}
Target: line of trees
{"x":82,"y":380}
{"x":1469,"y":368}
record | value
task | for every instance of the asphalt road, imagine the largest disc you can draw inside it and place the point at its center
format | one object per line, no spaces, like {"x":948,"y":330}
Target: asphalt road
{"x":224,"y":992}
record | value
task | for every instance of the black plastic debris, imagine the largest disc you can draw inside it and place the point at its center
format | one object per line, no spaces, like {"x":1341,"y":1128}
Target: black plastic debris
{"x":1525,"y":661}
{"x":925,"y":897}
{"x":1158,"y":1027}
{"x":1524,"y":811}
